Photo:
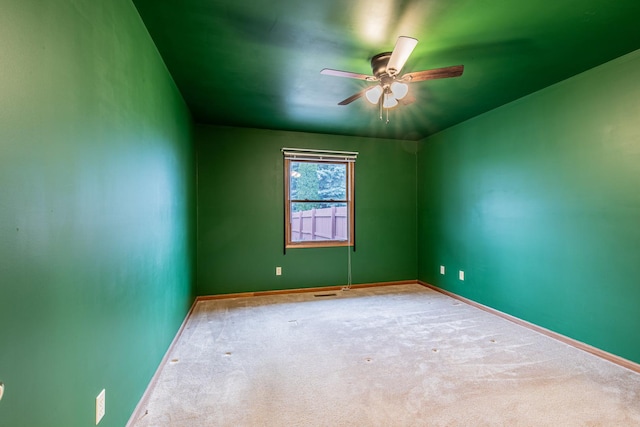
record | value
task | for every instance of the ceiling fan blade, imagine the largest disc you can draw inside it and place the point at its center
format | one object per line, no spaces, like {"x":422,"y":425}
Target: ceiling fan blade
{"x":436,"y":73}
{"x":338,"y":73}
{"x":400,"y":54}
{"x":352,"y":98}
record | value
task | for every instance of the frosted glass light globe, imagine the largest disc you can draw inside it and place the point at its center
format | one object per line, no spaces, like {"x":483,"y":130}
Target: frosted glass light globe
{"x":389,"y":101}
{"x":399,"y":90}
{"x":373,"y":94}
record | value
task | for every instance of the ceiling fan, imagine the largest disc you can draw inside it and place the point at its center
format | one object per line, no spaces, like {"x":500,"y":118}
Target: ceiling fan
{"x":386,"y":68}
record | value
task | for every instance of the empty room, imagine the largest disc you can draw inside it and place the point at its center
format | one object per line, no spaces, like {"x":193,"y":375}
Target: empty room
{"x":330,"y":213}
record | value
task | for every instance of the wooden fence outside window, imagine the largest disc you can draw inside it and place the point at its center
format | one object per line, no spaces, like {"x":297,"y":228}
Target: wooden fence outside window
{"x":319,"y":224}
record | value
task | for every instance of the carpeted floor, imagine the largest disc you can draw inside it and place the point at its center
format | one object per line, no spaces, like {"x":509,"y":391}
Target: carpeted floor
{"x":387,"y":356}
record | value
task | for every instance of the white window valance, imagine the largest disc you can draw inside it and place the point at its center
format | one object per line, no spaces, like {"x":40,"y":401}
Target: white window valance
{"x":319,"y":155}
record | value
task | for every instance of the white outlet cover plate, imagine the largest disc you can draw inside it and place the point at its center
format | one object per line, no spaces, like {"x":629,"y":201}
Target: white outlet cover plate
{"x":442,"y":269}
{"x":278,"y":271}
{"x":1,"y":390}
{"x":461,"y":275}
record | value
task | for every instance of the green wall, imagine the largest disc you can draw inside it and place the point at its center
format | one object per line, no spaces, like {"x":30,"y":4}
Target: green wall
{"x":538,"y":202}
{"x":241,"y":209}
{"x":97,"y":213}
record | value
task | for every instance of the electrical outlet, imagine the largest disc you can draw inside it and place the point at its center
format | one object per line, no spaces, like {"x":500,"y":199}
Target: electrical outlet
{"x":461,"y":275}
{"x":442,"y":269}
{"x":100,"y":406}
{"x":1,"y":389}
{"x":278,"y":271}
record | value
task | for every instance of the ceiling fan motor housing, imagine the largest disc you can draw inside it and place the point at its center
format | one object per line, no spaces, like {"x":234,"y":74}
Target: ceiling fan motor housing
{"x":379,"y":64}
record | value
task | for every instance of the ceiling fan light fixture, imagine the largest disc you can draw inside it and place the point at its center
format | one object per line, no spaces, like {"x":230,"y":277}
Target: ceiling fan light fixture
{"x":389,"y":101}
{"x":399,"y":90}
{"x":373,"y":94}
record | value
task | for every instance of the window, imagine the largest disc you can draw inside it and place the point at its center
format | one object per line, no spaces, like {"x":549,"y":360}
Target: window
{"x":319,"y":203}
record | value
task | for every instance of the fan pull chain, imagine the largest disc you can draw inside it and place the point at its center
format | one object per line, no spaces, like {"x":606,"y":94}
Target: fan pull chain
{"x":381,"y":108}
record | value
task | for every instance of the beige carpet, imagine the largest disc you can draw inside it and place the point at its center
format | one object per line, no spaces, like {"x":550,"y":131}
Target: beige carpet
{"x":387,"y":356}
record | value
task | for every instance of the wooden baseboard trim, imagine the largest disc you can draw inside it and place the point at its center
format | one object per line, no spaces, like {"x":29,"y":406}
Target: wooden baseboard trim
{"x":140,"y":409}
{"x":302,"y":290}
{"x":625,"y":363}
